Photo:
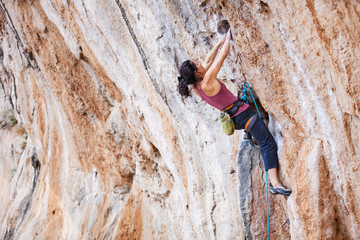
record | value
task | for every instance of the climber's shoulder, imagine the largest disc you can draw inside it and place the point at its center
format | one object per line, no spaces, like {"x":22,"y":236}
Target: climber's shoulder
{"x":210,"y":85}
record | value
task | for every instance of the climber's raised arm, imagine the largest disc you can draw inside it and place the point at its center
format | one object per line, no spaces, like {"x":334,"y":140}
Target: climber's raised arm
{"x":216,"y":66}
{"x":211,"y":56}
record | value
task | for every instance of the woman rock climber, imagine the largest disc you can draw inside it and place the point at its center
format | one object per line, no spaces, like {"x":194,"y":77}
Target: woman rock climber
{"x":202,"y":78}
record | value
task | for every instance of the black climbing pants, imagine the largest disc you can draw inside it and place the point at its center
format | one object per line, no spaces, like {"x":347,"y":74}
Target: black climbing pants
{"x":262,"y":135}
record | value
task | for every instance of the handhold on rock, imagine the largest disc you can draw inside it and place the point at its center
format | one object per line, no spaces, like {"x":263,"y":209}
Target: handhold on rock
{"x":223,"y":27}
{"x":35,"y":160}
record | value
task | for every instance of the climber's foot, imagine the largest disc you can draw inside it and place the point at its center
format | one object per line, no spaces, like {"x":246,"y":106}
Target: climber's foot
{"x":279,"y":189}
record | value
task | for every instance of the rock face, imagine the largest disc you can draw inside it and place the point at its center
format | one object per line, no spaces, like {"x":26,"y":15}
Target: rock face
{"x":96,"y":143}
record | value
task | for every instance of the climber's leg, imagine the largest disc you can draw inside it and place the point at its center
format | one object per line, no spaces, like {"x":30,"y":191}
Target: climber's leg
{"x":274,"y":179}
{"x":268,"y":149}
{"x":264,"y":138}
{"x":241,"y":119}
{"x":267,"y":144}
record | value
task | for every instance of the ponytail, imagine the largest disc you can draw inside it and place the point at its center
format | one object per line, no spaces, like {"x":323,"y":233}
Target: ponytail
{"x":187,"y":71}
{"x":183,"y":87}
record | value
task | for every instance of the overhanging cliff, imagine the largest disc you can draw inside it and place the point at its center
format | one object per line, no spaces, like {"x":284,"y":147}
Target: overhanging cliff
{"x":96,"y":143}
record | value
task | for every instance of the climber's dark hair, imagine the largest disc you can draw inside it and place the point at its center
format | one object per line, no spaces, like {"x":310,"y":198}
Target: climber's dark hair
{"x":187,"y":76}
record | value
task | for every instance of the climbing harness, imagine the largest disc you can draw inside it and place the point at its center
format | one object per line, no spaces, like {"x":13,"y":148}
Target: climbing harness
{"x":244,"y":98}
{"x":226,"y":114}
{"x":227,"y":123}
{"x":233,"y":108}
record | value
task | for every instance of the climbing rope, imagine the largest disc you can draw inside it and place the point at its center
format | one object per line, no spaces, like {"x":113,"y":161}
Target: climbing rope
{"x":246,"y":83}
{"x":244,"y":98}
{"x":246,"y":87}
{"x":267,"y":208}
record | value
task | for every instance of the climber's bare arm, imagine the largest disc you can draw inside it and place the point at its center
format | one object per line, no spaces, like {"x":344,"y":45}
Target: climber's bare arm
{"x":210,"y":76}
{"x":211,"y":56}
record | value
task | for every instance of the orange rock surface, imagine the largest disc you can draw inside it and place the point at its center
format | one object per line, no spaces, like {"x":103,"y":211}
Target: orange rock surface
{"x":96,"y":143}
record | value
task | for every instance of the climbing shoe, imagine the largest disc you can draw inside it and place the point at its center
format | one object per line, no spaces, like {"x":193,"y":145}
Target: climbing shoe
{"x":280,"y":190}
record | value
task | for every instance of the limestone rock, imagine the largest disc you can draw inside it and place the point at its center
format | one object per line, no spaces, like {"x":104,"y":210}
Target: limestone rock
{"x":103,"y":146}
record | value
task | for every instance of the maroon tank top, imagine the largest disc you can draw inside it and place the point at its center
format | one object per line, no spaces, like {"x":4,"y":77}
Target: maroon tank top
{"x":222,"y":99}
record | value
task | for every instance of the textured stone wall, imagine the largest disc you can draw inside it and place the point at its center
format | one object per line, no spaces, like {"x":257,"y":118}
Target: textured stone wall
{"x":96,"y":143}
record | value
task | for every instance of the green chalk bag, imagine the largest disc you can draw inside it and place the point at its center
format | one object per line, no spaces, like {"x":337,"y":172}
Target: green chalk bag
{"x":227,"y":123}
